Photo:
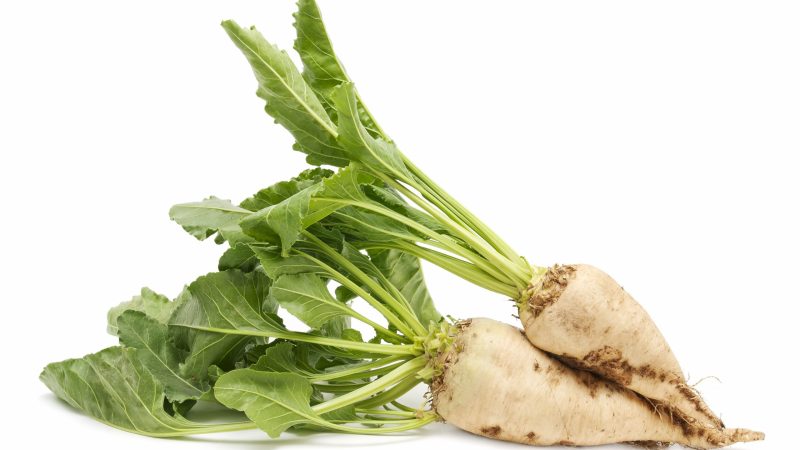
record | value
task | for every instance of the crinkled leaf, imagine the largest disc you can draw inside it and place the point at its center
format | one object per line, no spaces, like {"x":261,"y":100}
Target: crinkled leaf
{"x":306,"y":297}
{"x":228,"y":300}
{"x":281,"y":223}
{"x":214,"y":372}
{"x":361,"y":261}
{"x":321,"y":68}
{"x":114,"y":387}
{"x":154,"y":305}
{"x":233,"y":234}
{"x":355,"y":138}
{"x":290,"y":100}
{"x":205,"y":349}
{"x":203,"y":219}
{"x":329,"y":356}
{"x":157,"y":353}
{"x":213,"y":306}
{"x":274,"y":401}
{"x":363,"y":225}
{"x":336,"y":326}
{"x":404,"y":271}
{"x":347,"y":184}
{"x":280,"y":191}
{"x":240,"y":256}
{"x":343,"y":294}
{"x":341,"y":415}
{"x":281,"y":358}
{"x":276,"y":265}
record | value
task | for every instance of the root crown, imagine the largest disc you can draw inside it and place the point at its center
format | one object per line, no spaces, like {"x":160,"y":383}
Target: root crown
{"x":549,"y":289}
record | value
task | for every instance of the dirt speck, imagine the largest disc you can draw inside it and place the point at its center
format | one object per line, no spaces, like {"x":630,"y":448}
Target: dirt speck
{"x":492,"y":431}
{"x":649,"y":444}
{"x":531,"y":436}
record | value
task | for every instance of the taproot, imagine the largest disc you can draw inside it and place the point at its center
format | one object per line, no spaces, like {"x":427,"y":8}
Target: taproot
{"x":495,"y":383}
{"x":586,"y":319}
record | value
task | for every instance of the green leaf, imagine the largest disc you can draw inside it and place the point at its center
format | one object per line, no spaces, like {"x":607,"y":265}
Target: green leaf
{"x":347,"y":184}
{"x":328,"y":356}
{"x":230,"y":300}
{"x":404,"y":271}
{"x":114,"y":387}
{"x":298,"y":357}
{"x":274,"y":401}
{"x":361,"y":261}
{"x":157,"y":353}
{"x":343,"y":294}
{"x":374,"y":153}
{"x":206,"y":349}
{"x":154,"y":305}
{"x":306,"y":297}
{"x":281,"y":223}
{"x":290,"y":100}
{"x":276,"y":265}
{"x":359,"y":224}
{"x":321,"y":68}
{"x":341,"y":415}
{"x":222,"y":301}
{"x":280,"y":191}
{"x":203,"y":219}
{"x":281,"y":358}
{"x":240,"y":256}
{"x":336,"y":326}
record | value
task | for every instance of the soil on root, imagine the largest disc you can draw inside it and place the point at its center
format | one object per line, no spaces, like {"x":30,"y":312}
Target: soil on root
{"x":548,"y":291}
{"x":608,"y":363}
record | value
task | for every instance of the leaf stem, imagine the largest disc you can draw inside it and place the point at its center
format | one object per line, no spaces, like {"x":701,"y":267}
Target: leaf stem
{"x":409,"y":425}
{"x":367,"y":347}
{"x":476,"y":224}
{"x":363,"y":370}
{"x":390,"y":394}
{"x":488,"y":252}
{"x":458,"y":267}
{"x":444,"y":241}
{"x":385,"y":412}
{"x":405,"y":313}
{"x":358,"y":290}
{"x":406,"y":371}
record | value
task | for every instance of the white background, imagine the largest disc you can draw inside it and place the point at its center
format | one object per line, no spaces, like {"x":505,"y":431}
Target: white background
{"x":657,"y":140}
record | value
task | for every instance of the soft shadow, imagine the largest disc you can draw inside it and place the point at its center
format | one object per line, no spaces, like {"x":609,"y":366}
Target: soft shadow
{"x":316,"y":438}
{"x":256,"y":438}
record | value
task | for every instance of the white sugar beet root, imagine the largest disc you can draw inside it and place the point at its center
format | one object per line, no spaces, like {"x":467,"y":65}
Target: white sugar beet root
{"x":582,"y":316}
{"x":496,"y":384}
